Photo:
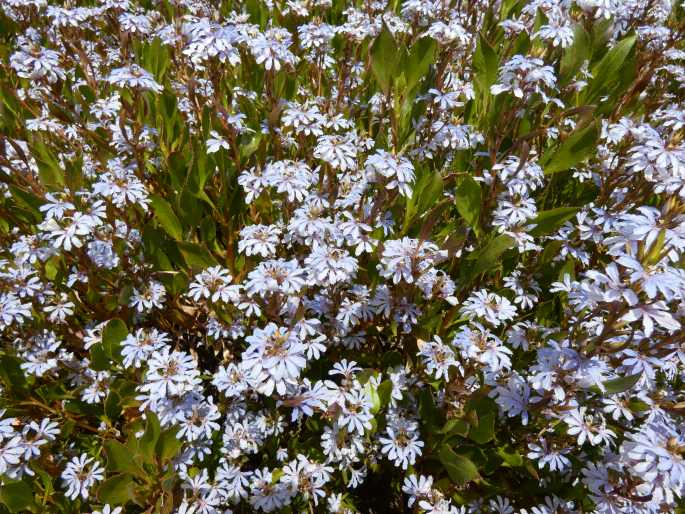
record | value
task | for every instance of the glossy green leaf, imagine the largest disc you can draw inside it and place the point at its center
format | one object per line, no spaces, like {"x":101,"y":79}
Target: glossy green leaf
{"x":487,"y":257}
{"x":459,"y":468}
{"x":607,"y":72}
{"x":168,"y":445}
{"x":486,"y":65}
{"x":116,"y":490}
{"x":148,"y":442}
{"x":428,"y":410}
{"x":511,"y":457}
{"x":165,"y":216}
{"x":549,"y":221}
{"x":456,"y":426}
{"x":572,"y":151}
{"x":115,"y":332}
{"x":121,"y":458}
{"x":418,"y":61}
{"x":49,"y":168}
{"x":17,"y":496}
{"x":484,"y":431}
{"x":468,"y":200}
{"x":11,"y":374}
{"x":575,"y":55}
{"x":372,"y":394}
{"x":196,"y":256}
{"x":385,"y":392}
{"x":621,"y":384}
{"x":385,"y":57}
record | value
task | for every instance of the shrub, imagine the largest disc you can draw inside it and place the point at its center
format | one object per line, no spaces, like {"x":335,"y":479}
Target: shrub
{"x":315,"y":256}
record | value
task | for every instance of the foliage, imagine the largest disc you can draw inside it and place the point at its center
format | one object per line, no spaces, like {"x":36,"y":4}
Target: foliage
{"x":315,"y":256}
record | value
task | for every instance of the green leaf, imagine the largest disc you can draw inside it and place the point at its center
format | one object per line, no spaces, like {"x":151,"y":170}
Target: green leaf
{"x":165,"y":503}
{"x":428,"y":411}
{"x":456,"y":426}
{"x":621,"y":384}
{"x":430,"y":191}
{"x":575,"y":55}
{"x":45,"y":478}
{"x":607,"y":72}
{"x":485,"y":65}
{"x":116,"y":490}
{"x":168,"y":445}
{"x":547,"y":222}
{"x":165,"y":216}
{"x":101,"y":354}
{"x":459,"y":468}
{"x":27,"y":200}
{"x":49,"y":168}
{"x":372,"y":393}
{"x":115,"y":332}
{"x":17,"y":496}
{"x":148,"y":443}
{"x":638,"y":405}
{"x":385,"y":57}
{"x":247,"y":149}
{"x":392,"y":358}
{"x":468,"y":199}
{"x":511,"y":458}
{"x":196,"y":256}
{"x":568,"y":268}
{"x":427,"y":192}
{"x":99,"y":360}
{"x":121,"y":458}
{"x":11,"y":373}
{"x":418,"y":61}
{"x":385,"y":392}
{"x":487,"y":257}
{"x":484,"y":431}
{"x":113,"y":405}
{"x":577,"y":147}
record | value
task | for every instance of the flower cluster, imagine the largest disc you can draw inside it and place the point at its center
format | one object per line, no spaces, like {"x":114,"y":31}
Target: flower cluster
{"x":326,"y":256}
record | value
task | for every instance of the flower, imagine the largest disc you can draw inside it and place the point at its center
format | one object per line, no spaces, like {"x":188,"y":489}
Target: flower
{"x":216,"y":142}
{"x":401,"y":444}
{"x":135,"y":77}
{"x":275,"y":356}
{"x":439,"y":358}
{"x":493,"y":308}
{"x":338,"y":151}
{"x":80,"y":474}
{"x":400,"y":171}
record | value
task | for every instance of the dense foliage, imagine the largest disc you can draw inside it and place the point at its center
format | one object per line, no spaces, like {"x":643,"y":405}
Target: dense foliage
{"x":325,"y":256}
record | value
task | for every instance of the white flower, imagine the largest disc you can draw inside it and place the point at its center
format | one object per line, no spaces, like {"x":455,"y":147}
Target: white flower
{"x":275,"y":356}
{"x":107,"y":509}
{"x":37,"y":63}
{"x":493,"y":308}
{"x":259,"y":240}
{"x":216,"y":142}
{"x":338,"y":151}
{"x":170,"y":373}
{"x":399,"y":170}
{"x":439,"y":358}
{"x":356,"y":415}
{"x":135,"y":77}
{"x":401,"y":443}
{"x":137,"y":348}
{"x":152,"y":296}
{"x":80,"y":475}
{"x":329,"y":266}
{"x":554,"y":459}
{"x":651,"y":314}
{"x":214,"y":284}
{"x":525,"y":75}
